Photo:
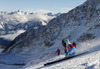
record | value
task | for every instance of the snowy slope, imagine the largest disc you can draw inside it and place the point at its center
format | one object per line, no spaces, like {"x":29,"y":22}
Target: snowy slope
{"x":90,"y":60}
{"x":82,"y":62}
{"x":39,"y":46}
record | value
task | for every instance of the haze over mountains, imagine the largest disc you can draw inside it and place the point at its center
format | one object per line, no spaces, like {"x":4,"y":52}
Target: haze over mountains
{"x":16,"y":22}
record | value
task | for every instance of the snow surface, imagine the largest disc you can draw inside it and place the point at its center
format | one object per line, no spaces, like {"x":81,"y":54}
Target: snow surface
{"x":89,"y":60}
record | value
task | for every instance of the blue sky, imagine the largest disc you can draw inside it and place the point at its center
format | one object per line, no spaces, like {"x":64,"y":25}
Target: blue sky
{"x":34,"y":5}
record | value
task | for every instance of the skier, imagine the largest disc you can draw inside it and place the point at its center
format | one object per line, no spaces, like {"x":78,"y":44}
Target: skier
{"x":66,"y":49}
{"x":69,"y":48}
{"x":58,"y":51}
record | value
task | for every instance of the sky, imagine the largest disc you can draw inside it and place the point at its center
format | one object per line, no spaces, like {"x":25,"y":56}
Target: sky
{"x":56,"y":6}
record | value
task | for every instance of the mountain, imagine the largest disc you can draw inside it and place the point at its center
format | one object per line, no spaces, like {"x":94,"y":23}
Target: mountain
{"x":13,"y":22}
{"x":86,"y":15}
{"x":40,"y":44}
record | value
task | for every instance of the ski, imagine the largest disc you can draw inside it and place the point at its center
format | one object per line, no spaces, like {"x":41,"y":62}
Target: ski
{"x":66,"y":58}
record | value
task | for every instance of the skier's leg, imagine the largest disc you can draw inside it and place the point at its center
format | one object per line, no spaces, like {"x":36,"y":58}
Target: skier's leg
{"x":67,"y":53}
{"x":58,"y":54}
{"x":72,"y":51}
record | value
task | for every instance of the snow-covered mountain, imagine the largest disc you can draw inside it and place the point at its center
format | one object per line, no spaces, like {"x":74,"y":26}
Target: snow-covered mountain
{"x":39,"y":45}
{"x":13,"y":22}
{"x":86,"y":15}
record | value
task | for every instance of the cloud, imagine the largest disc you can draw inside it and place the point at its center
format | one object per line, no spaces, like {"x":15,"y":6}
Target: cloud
{"x":43,"y":11}
{"x":38,"y":10}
